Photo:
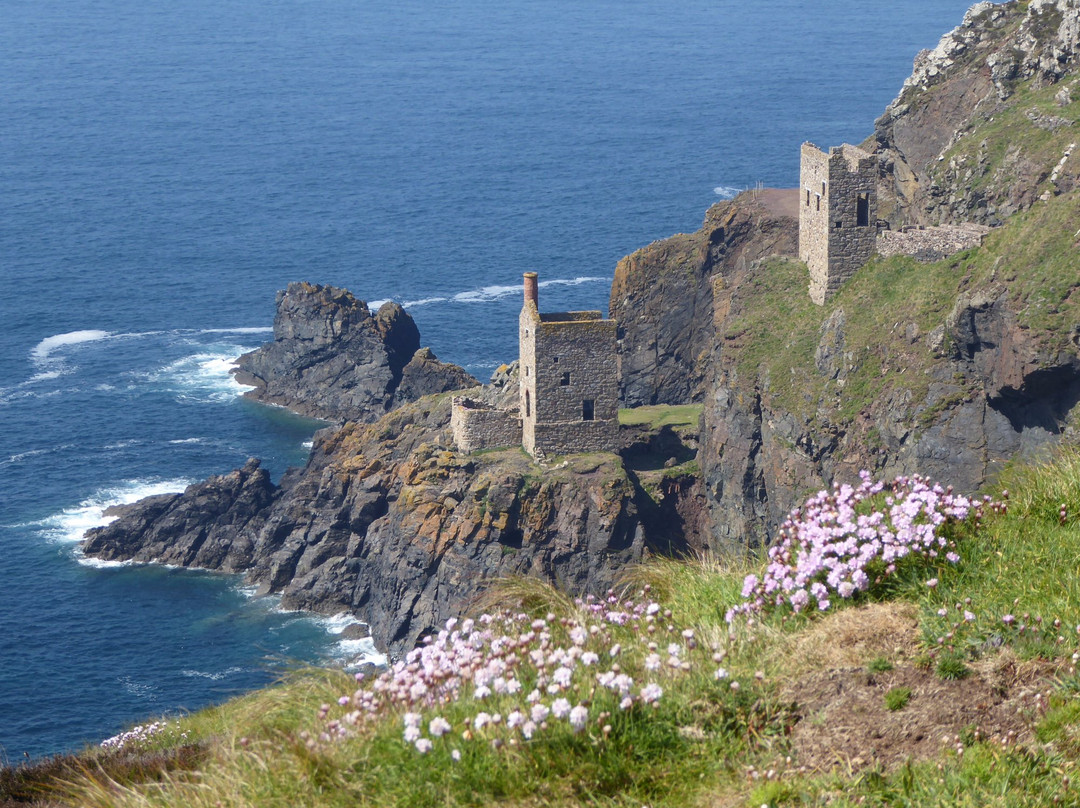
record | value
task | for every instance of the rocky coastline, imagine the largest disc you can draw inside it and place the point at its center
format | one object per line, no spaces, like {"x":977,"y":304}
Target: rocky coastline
{"x":949,"y":369}
{"x":388,"y":520}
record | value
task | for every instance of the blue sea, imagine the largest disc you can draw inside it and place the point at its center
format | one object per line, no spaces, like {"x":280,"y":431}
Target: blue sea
{"x":166,"y":167}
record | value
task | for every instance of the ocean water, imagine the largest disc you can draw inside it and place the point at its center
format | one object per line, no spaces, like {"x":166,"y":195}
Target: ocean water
{"x":167,"y":167}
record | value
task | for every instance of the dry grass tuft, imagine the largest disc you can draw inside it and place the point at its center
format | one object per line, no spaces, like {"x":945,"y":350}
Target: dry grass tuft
{"x":852,"y":637}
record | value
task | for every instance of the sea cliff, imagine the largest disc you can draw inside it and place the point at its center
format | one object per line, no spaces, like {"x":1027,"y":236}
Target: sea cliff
{"x":949,"y":368}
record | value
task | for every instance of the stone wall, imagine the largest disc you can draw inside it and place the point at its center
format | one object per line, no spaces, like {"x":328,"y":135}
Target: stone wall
{"x":837,"y":215}
{"x":931,"y":243}
{"x":478,"y":426}
{"x":569,"y":382}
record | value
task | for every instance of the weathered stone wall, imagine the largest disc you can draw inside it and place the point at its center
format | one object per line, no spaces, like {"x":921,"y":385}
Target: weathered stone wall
{"x":475,"y":425}
{"x":569,"y":379}
{"x":931,"y":243}
{"x":577,"y":436}
{"x":837,"y":215}
{"x":814,"y":210}
{"x":577,"y":383}
{"x":528,"y":323}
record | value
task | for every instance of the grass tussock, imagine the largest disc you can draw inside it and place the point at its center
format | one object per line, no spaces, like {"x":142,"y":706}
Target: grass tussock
{"x":976,"y":659}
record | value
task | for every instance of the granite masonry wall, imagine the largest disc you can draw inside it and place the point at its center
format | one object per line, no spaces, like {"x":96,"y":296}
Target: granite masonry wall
{"x":837,"y":215}
{"x":569,"y":381}
{"x":478,"y":426}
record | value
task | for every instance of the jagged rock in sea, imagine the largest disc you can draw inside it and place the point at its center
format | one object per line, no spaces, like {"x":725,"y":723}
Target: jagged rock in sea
{"x":331,"y":358}
{"x":208,"y":525}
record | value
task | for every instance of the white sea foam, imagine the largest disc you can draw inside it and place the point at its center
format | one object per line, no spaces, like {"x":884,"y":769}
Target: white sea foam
{"x":727,"y":191}
{"x":261,"y":329}
{"x":71,"y":523}
{"x":18,"y":457}
{"x":214,"y":676}
{"x":44,"y":376}
{"x":424,"y":301}
{"x":360,"y":652}
{"x":101,"y":563}
{"x":486,"y":294}
{"x":353,"y":652}
{"x":42,"y":351}
{"x":187,"y":440}
{"x":570,"y":281}
{"x":204,"y":377}
{"x":308,"y":444}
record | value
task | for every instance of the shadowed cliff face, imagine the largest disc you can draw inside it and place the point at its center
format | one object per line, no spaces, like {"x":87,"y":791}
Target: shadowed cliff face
{"x":662,"y":295}
{"x":389,"y":522}
{"x":969,"y":368}
{"x":331,"y":358}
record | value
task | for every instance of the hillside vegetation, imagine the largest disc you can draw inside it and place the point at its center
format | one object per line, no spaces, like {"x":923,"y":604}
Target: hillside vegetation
{"x":941,"y":680}
{"x":891,"y":309}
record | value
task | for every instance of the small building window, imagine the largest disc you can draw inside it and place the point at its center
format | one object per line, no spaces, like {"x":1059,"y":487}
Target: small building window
{"x":862,"y":210}
{"x":565,"y":380}
{"x":554,"y":360}
{"x":839,"y":224}
{"x":819,"y":202}
{"x":587,"y":409}
{"x":526,"y":371}
{"x":807,"y":197}
{"x":528,"y":408}
{"x":823,"y":187}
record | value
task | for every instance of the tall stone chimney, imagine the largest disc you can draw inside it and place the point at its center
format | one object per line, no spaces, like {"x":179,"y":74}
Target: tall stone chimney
{"x":532,"y":290}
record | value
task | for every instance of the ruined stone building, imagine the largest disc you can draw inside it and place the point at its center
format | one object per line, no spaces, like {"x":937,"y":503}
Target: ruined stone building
{"x":837,"y":215}
{"x":569,"y":391}
{"x":569,"y":379}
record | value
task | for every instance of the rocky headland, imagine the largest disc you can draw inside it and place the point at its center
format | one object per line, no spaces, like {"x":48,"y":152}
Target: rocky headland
{"x":949,"y":368}
{"x":331,"y":358}
{"x":388,"y":520}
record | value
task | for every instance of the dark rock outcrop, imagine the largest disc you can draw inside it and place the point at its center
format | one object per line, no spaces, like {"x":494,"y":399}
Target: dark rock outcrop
{"x":997,"y":378}
{"x":961,"y":141}
{"x":662,"y":294}
{"x":389,"y":522}
{"x":331,"y":358}
{"x":209,"y":525}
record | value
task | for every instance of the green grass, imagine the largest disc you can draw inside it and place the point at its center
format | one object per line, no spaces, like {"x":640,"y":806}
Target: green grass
{"x":656,"y":416}
{"x":1031,"y":261}
{"x":897,"y":698}
{"x":707,"y":742}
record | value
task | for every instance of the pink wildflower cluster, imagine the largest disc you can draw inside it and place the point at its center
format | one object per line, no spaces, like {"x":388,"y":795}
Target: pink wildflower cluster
{"x":140,"y":736}
{"x":517,"y":676}
{"x":842,"y":542}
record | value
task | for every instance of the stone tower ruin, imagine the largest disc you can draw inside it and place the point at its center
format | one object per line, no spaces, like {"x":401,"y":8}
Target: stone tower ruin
{"x":837,"y":215}
{"x":569,"y":379}
{"x":568,"y":387}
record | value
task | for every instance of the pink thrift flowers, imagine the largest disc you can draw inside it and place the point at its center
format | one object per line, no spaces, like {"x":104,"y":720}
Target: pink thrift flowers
{"x":507,"y":679}
{"x":841,"y":542}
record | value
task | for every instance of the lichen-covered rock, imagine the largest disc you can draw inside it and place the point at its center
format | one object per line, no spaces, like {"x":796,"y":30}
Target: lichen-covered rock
{"x":331,"y":358}
{"x":953,"y":143}
{"x":390,"y":523}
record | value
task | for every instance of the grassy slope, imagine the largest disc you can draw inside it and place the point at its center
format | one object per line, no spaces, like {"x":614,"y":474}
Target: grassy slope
{"x":1033,"y":257}
{"x":706,"y":743}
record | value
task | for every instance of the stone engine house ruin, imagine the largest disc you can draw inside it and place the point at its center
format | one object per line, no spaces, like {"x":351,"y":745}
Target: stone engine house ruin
{"x":837,"y":215}
{"x":568,"y":380}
